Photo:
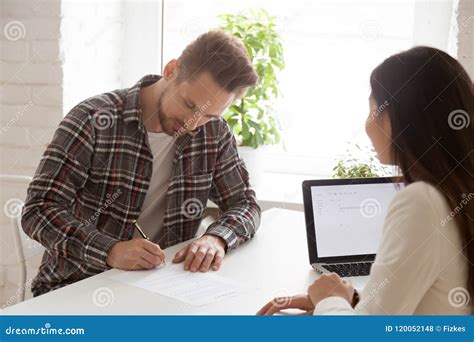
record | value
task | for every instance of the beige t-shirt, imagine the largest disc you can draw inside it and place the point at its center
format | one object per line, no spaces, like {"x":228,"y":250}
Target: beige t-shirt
{"x":419,"y":268}
{"x":151,"y":218}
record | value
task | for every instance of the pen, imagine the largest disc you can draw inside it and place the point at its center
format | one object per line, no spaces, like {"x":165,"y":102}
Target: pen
{"x":140,"y":230}
{"x":146,"y":238}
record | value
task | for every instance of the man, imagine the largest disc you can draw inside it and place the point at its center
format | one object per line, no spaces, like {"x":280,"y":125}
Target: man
{"x":152,"y":155}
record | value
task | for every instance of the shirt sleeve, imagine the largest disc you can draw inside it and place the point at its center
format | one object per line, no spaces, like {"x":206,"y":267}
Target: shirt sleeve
{"x":62,"y":172}
{"x":239,"y":212}
{"x":407,"y":262}
{"x":334,"y":306}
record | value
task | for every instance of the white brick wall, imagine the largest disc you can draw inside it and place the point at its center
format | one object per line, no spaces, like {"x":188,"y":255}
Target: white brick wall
{"x":31,"y":77}
{"x":30,"y":106}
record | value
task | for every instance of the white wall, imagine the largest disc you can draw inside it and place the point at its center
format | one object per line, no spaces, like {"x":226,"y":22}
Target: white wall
{"x":107,"y":45}
{"x":432,"y":23}
{"x":432,"y":27}
{"x":465,"y":19}
{"x":141,"y":51}
{"x":92,"y":34}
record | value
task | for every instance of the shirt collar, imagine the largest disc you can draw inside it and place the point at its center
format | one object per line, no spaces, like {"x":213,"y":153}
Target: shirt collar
{"x":132,"y":111}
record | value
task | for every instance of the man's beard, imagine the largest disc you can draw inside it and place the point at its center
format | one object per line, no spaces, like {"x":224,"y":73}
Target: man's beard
{"x":165,"y":123}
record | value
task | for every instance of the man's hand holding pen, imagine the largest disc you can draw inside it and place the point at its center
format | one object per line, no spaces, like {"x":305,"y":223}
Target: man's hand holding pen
{"x":202,"y":254}
{"x":136,"y":254}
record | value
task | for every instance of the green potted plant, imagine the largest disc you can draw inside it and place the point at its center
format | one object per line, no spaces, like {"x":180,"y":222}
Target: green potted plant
{"x":353,"y":166}
{"x":252,"y":118}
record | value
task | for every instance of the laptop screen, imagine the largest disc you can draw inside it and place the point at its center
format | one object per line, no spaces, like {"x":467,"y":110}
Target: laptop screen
{"x":348,"y":218}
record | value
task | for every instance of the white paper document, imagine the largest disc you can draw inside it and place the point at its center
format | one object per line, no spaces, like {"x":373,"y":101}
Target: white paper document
{"x":172,"y":281}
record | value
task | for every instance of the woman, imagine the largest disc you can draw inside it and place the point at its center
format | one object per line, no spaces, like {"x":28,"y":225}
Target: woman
{"x":422,"y":106}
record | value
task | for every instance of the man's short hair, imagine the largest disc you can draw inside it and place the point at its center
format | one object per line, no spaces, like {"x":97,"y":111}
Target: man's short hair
{"x":222,"y":55}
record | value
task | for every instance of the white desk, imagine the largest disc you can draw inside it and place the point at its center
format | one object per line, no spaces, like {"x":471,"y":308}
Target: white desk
{"x":274,"y":263}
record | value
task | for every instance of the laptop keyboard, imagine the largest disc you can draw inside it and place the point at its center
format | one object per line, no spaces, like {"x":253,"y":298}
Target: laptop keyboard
{"x":352,"y":269}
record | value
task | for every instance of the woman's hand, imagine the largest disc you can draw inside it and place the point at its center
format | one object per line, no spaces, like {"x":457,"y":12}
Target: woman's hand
{"x":301,"y":302}
{"x":330,"y":285}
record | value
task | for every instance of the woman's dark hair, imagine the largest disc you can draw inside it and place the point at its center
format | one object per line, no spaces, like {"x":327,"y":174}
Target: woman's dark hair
{"x":430,"y":103}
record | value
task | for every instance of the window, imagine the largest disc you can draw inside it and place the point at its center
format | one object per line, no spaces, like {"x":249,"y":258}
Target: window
{"x":330,"y":49}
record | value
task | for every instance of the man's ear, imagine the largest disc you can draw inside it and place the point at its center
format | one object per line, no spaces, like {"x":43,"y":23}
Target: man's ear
{"x":171,"y":69}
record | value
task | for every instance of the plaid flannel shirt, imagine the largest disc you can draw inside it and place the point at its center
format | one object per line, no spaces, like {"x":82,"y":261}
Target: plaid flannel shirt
{"x":92,"y":180}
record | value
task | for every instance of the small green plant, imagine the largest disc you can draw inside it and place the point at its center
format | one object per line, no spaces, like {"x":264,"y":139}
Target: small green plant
{"x":252,"y":117}
{"x":354,"y":167}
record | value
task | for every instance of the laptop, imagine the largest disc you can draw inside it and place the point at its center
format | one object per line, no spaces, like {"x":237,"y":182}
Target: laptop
{"x":344,"y":221}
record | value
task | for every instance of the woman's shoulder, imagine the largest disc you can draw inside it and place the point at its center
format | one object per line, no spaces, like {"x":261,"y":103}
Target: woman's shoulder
{"x":419,"y":202}
{"x":420,"y":194}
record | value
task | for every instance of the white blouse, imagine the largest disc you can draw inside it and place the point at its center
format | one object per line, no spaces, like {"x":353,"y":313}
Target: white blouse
{"x":419,"y":268}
